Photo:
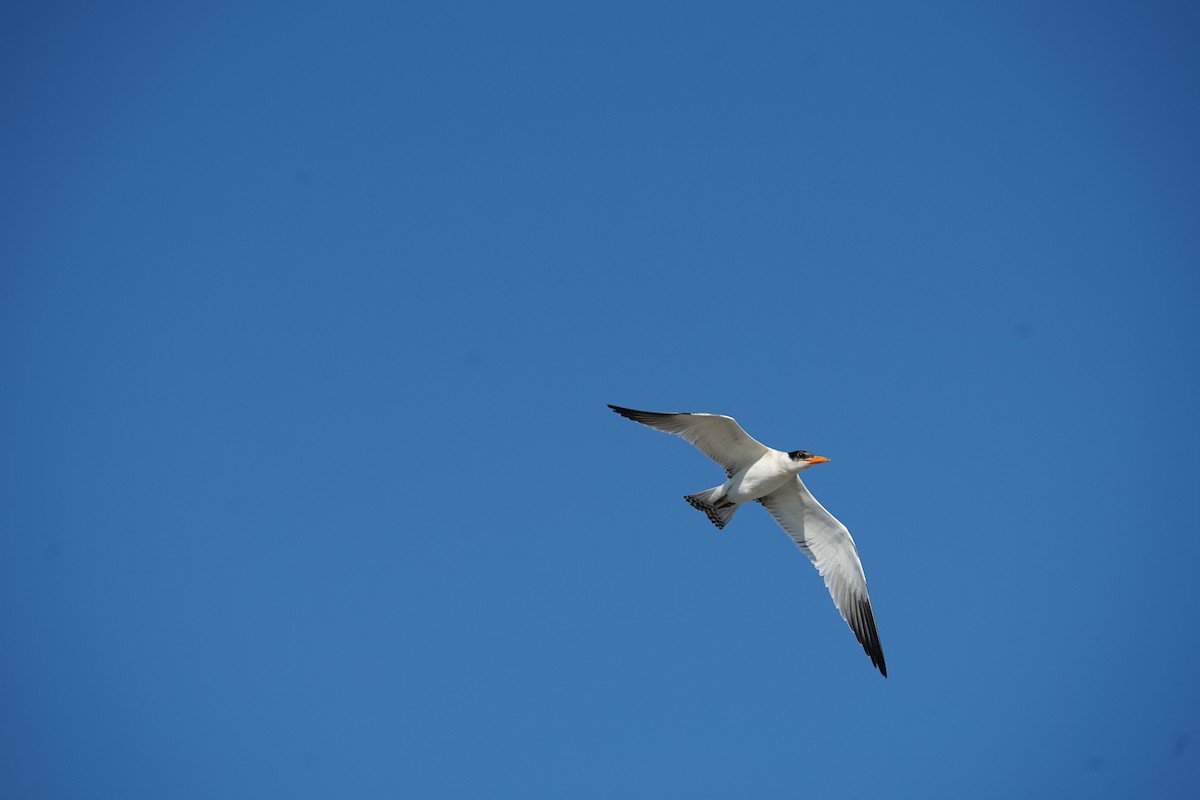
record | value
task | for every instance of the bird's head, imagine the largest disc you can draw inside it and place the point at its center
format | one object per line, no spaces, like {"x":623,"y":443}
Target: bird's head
{"x":802,"y":459}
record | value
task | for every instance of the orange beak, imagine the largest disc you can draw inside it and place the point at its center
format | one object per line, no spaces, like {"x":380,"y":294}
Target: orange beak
{"x":818,"y":460}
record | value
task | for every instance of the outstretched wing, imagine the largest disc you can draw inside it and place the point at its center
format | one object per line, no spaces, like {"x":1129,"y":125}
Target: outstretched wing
{"x":718,"y":437}
{"x":828,"y":545}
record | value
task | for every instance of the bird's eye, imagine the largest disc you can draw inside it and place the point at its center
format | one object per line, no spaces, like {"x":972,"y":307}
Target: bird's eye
{"x":800,"y":455}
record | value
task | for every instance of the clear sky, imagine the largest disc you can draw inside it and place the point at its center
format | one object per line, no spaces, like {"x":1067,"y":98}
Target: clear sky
{"x":308,"y":319}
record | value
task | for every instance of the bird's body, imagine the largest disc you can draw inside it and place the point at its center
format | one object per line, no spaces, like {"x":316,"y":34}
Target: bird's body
{"x":760,"y":478}
{"x":756,"y":472}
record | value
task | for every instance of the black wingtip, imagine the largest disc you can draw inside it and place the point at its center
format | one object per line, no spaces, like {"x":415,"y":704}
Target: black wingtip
{"x":868,"y":635}
{"x":634,"y":414}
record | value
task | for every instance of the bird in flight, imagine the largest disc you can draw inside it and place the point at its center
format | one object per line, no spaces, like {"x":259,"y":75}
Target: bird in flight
{"x":754,"y":471}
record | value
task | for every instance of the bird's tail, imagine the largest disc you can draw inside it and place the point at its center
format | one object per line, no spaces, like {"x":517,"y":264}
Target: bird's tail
{"x":719,"y":513}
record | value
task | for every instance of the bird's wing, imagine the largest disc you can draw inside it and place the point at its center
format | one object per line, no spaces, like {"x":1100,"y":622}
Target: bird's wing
{"x":718,"y":437}
{"x":828,"y":545}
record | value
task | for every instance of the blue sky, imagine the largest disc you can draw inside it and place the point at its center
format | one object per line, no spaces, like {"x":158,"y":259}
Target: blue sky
{"x":308,"y":319}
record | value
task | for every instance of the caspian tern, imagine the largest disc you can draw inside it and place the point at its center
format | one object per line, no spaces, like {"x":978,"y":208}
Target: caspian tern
{"x":754,"y":471}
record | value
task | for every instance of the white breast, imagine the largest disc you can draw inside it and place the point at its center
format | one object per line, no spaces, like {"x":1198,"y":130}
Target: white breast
{"x":760,"y":478}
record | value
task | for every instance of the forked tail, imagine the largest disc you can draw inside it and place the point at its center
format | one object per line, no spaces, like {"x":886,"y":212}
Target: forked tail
{"x":719,"y":513}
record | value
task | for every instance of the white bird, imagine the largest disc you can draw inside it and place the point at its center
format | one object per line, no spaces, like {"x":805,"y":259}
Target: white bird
{"x":754,"y":471}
